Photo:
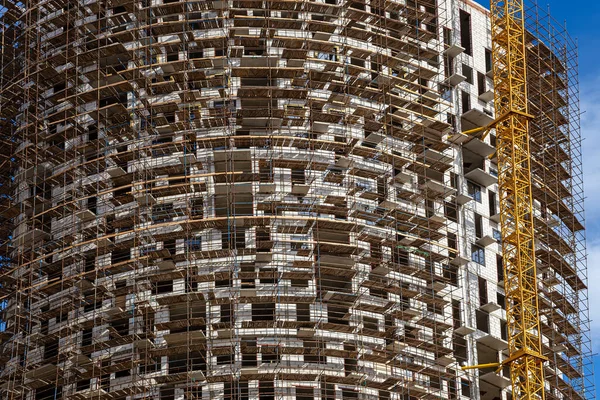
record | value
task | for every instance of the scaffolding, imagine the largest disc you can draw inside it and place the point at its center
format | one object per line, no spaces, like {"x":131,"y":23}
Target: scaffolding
{"x":256,"y":199}
{"x":558,"y":191}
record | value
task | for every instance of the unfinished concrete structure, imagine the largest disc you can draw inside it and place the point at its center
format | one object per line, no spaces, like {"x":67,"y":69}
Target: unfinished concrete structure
{"x":272,"y":199}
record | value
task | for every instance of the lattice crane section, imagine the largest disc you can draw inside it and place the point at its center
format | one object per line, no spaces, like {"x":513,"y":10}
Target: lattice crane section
{"x":516,"y":204}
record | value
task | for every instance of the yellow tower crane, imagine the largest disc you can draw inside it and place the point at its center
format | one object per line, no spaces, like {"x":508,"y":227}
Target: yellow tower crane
{"x":525,"y":358}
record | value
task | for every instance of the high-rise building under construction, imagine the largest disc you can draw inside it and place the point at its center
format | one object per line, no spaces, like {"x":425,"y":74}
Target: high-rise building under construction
{"x":275,"y":199}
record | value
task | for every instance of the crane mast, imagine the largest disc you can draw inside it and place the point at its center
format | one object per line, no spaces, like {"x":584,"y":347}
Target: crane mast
{"x":516,"y":204}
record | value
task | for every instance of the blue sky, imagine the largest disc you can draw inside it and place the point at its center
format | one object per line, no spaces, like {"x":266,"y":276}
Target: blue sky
{"x":583,"y":22}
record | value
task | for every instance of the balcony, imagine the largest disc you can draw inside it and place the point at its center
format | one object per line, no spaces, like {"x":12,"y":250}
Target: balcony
{"x":453,"y":50}
{"x":485,"y":241}
{"x":115,"y":172}
{"x":40,"y":172}
{"x":183,"y":338}
{"x":438,"y":286}
{"x":479,"y":147}
{"x":455,"y":79}
{"x":487,"y":96}
{"x":39,"y":376}
{"x":435,"y":157}
{"x":373,"y":140}
{"x":461,"y":198}
{"x":476,"y":118}
{"x":481,"y":177}
{"x":464,"y":330}
{"x":32,"y":235}
{"x":85,"y":215}
{"x":495,"y":379}
{"x":459,"y":261}
{"x":490,"y":307}
{"x":493,"y":342}
{"x":188,"y":159}
{"x":403,"y":177}
{"x":446,"y":360}
{"x":495,"y":217}
{"x":396,"y":346}
{"x":300,"y":189}
{"x":458,"y":138}
{"x":381,"y":269}
{"x":266,"y":188}
{"x":145,"y":199}
{"x":437,"y":187}
{"x":165,"y":265}
{"x":559,"y":348}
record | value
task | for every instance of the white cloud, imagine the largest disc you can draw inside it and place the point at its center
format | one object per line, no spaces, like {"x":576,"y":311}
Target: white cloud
{"x":594,"y":293}
{"x":590,"y":123}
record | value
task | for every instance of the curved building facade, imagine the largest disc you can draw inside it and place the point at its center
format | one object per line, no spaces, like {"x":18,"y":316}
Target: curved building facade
{"x":271,"y":199}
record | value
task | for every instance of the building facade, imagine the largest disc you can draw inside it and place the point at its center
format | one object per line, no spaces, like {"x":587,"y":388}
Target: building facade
{"x":275,"y":200}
